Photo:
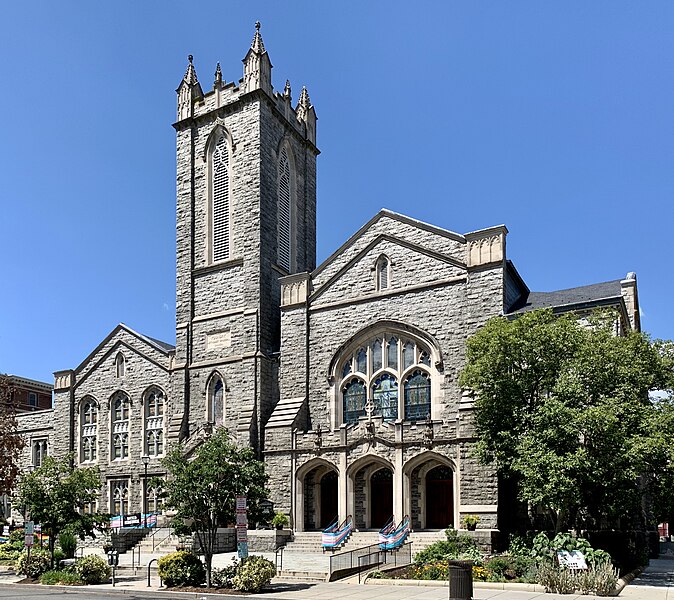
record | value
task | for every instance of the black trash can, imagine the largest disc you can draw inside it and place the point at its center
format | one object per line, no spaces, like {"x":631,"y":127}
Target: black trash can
{"x":460,"y":576}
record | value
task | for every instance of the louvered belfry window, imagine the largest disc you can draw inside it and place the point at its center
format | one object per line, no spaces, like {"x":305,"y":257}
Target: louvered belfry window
{"x":221,"y":200}
{"x":284,"y":216}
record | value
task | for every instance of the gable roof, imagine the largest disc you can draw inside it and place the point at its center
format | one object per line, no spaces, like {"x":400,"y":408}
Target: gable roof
{"x":384,"y":212}
{"x":599,"y":294}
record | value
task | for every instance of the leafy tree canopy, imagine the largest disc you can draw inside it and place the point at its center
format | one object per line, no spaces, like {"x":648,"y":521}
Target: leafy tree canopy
{"x":11,"y":442}
{"x":563,"y":407}
{"x":202,"y":488}
{"x":55,"y":495}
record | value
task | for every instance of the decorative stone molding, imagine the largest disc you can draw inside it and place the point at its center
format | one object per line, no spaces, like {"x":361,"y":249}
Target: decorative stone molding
{"x":295,"y":289}
{"x":628,"y":289}
{"x":486,"y":246}
{"x":63,"y":380}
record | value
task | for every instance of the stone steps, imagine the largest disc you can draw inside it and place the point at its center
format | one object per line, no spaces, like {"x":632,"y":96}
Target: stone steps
{"x":301,"y":576}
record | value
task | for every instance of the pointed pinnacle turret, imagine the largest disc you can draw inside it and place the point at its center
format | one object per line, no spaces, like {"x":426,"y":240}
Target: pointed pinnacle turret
{"x":191,"y":73}
{"x":303,"y":104}
{"x":218,"y":75}
{"x":257,"y":45}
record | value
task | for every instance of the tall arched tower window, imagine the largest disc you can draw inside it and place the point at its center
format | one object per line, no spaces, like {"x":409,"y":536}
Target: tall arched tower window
{"x":220,"y":200}
{"x":119,"y":407}
{"x":285,"y":215}
{"x":216,"y":401}
{"x":154,"y":422}
{"x":89,"y":430}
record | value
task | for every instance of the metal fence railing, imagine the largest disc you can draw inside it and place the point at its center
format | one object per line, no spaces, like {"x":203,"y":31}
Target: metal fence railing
{"x":358,"y":560}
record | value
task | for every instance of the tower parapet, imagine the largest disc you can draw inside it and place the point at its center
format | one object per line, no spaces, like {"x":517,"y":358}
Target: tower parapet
{"x":194,"y":103}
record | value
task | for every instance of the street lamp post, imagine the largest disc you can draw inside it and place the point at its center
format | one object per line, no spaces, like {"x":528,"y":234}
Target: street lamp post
{"x":146,"y":461}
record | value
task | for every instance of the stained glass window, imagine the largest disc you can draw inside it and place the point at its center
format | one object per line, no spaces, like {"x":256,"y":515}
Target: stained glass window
{"x":393,"y":353}
{"x":355,"y":396}
{"x":385,"y":397}
{"x":417,"y":396}
{"x":376,"y":355}
{"x":408,"y":355}
{"x":361,"y":361}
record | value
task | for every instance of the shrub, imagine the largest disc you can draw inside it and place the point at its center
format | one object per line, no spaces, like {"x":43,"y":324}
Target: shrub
{"x":60,"y":578}
{"x":38,"y":564}
{"x":93,"y":569}
{"x":68,"y":543}
{"x":224,"y":578}
{"x":253,"y":574}
{"x":606,"y":578}
{"x":16,"y":540}
{"x":458,"y":546}
{"x":280,"y":520}
{"x":8,"y":553}
{"x":181,"y":568}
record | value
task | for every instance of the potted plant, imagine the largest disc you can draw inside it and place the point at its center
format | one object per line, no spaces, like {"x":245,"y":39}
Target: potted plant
{"x":279,"y":520}
{"x":470,"y":522}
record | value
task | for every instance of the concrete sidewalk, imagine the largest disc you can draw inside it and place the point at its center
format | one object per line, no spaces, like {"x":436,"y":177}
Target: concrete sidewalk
{"x":655,"y":583}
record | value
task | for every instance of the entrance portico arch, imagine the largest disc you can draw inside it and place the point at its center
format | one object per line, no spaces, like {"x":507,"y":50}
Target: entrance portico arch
{"x":370,"y":491}
{"x":430,"y":486}
{"x":317,"y":495}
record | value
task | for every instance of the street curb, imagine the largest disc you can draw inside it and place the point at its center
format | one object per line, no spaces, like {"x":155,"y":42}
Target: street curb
{"x":627,"y":579}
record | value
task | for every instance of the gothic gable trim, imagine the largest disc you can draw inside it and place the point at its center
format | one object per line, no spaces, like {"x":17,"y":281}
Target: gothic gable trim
{"x":394,"y":240}
{"x":391,"y":215}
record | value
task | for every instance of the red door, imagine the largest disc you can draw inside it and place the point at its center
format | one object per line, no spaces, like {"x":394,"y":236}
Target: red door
{"x":328,"y":498}
{"x":439,"y":498}
{"x":381,"y":498}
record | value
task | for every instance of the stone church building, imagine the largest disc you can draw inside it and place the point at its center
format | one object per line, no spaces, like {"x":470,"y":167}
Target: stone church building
{"x":342,"y":376}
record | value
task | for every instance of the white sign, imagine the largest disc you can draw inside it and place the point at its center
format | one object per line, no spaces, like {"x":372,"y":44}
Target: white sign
{"x":241,"y":533}
{"x":572,"y":560}
{"x":241,"y":518}
{"x":240,"y":503}
{"x":28,"y":540}
{"x":218,"y":340}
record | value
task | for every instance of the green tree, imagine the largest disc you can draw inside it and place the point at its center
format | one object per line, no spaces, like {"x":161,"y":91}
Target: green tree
{"x":202,"y":488}
{"x":55,"y":495}
{"x":11,"y":442}
{"x":563,"y":408}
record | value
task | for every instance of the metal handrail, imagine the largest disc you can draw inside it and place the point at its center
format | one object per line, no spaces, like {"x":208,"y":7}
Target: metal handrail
{"x":156,"y":543}
{"x":336,"y":533}
{"x":392,"y":536}
{"x":346,"y":563}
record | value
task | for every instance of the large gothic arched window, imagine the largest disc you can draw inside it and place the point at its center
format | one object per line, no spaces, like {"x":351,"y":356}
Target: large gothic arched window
{"x":285,"y":210}
{"x":120,"y":426}
{"x":154,"y":422}
{"x":220,"y":196}
{"x":375,"y":373}
{"x":88,"y":430}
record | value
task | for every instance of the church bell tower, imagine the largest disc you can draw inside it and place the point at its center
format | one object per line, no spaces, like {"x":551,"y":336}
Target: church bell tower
{"x":245,"y":216}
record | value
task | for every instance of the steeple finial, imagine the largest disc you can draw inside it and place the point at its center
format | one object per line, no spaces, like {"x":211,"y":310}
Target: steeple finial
{"x":303,"y":104}
{"x":257,"y":45}
{"x":190,"y":73}
{"x":218,"y":75}
{"x":287,"y":91}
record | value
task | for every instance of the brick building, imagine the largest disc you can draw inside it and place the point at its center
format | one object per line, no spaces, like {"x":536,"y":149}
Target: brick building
{"x":344,"y":377}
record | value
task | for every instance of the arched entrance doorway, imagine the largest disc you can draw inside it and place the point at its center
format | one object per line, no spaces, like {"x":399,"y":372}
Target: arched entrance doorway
{"x":439,"y":497}
{"x":319,"y":483}
{"x":381,"y":497}
{"x":430,"y":491}
{"x":329,"y":510}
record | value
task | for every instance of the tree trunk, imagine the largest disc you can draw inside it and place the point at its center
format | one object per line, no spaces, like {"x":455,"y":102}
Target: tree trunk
{"x":52,"y":546}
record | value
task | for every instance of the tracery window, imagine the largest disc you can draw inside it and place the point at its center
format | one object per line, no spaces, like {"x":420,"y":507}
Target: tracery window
{"x":120,"y":426}
{"x":382,"y":268}
{"x":89,"y":430}
{"x":39,"y":448}
{"x":372,"y":374}
{"x":154,"y":422}
{"x":220,"y":200}
{"x":216,"y":402}
{"x":284,"y":211}
{"x":120,"y":365}
{"x":119,"y":493}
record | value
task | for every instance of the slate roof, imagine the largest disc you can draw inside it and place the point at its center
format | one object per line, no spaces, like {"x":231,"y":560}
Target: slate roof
{"x":599,"y":294}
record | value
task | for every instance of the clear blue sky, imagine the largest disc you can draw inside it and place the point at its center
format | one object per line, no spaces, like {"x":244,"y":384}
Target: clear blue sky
{"x":555,"y":118}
